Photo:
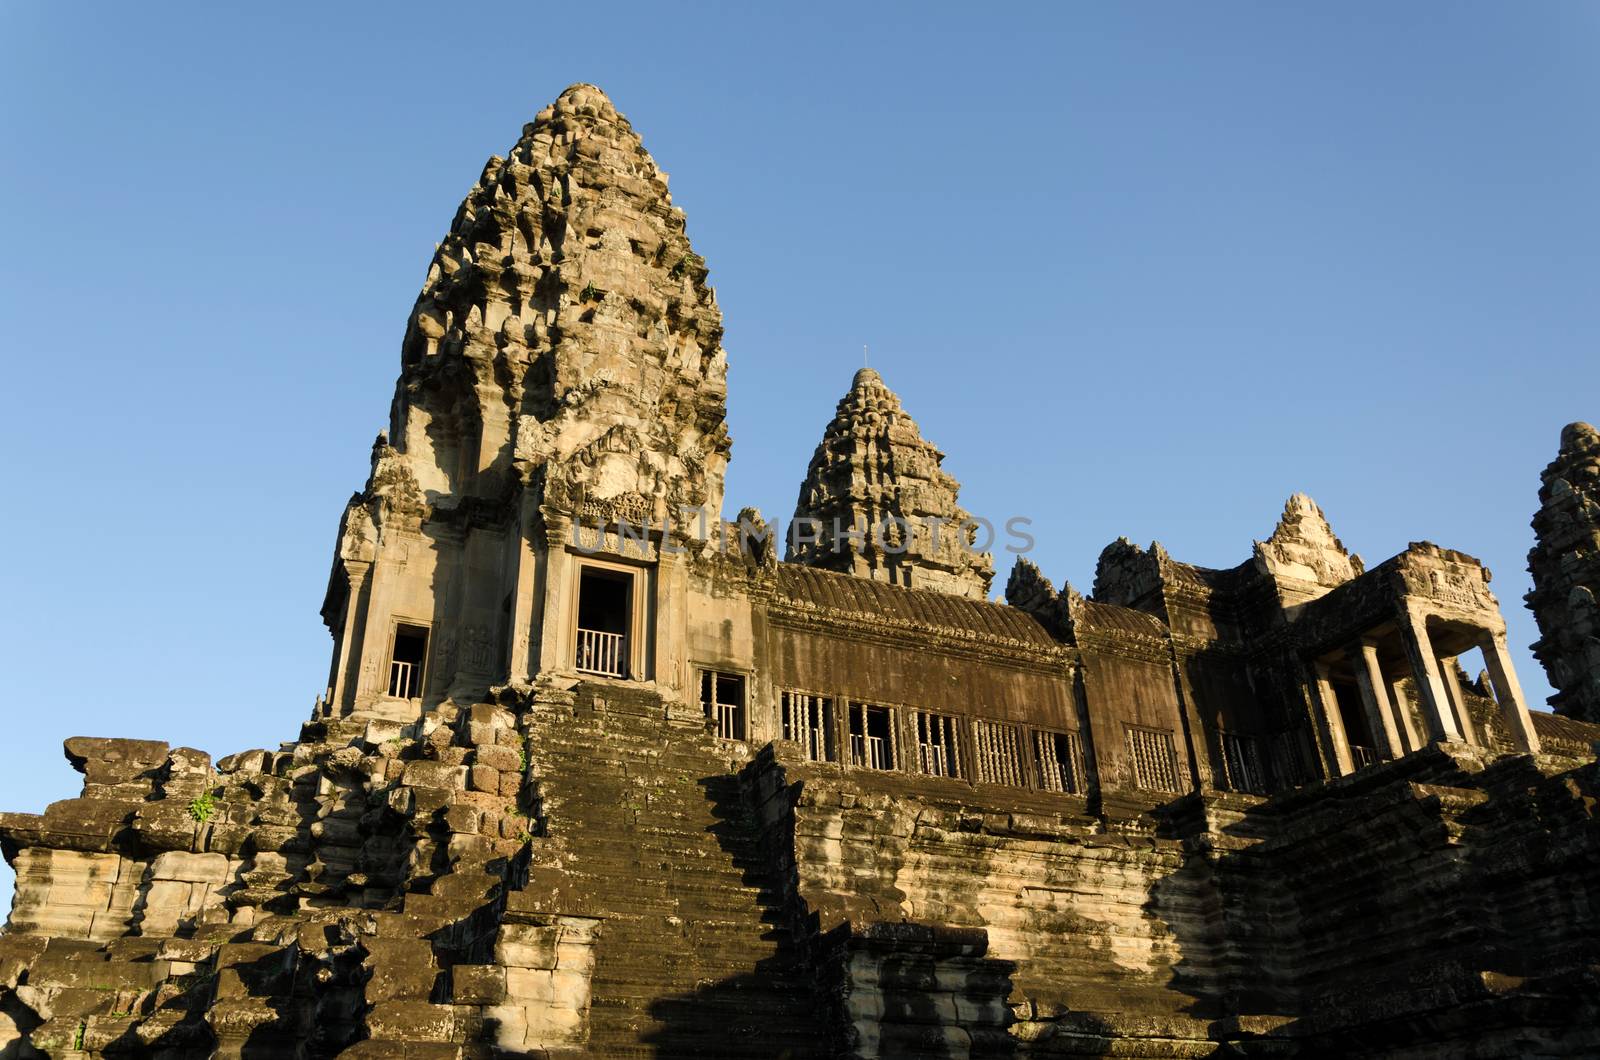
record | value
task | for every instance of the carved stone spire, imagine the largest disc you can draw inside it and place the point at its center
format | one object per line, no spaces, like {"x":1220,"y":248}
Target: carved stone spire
{"x":874,"y":474}
{"x":1565,"y":564}
{"x":566,"y":333}
{"x":1303,"y":556}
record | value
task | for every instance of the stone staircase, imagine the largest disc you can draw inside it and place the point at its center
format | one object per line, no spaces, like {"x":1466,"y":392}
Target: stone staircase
{"x":644,"y":825}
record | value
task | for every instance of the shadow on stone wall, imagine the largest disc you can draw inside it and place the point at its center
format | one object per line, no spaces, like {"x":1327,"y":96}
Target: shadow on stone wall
{"x":904,"y":989}
{"x":771,"y":1011}
{"x":1440,"y":905}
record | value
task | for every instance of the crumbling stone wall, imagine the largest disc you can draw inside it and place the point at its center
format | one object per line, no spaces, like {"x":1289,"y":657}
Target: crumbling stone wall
{"x":310,"y":899}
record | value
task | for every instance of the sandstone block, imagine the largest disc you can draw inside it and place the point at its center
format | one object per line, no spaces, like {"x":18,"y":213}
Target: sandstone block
{"x":107,"y":761}
{"x":530,"y":986}
{"x":478,"y":984}
{"x":194,"y":868}
{"x":510,"y":1023}
{"x":411,"y":1021}
{"x":401,"y":968}
{"x":505,"y":759}
{"x":523,"y":948}
{"x":554,"y":1026}
{"x":440,"y":775}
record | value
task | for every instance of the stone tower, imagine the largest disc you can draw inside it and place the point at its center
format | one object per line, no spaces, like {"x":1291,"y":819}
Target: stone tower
{"x":1565,"y":564}
{"x":588,"y":781}
{"x":1303,"y":557}
{"x":876,"y":503}
{"x":563,"y":363}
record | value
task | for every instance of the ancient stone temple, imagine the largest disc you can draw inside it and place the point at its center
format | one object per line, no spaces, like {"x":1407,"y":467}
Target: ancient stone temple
{"x":595,"y":773}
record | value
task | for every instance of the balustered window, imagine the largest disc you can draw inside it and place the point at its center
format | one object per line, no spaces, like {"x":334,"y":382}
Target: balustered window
{"x":998,"y":748}
{"x":722,"y":696}
{"x":605,"y":621}
{"x":407,"y":655}
{"x":1241,"y":756}
{"x":1058,"y":759}
{"x":872,"y":743}
{"x":808,"y":721}
{"x":938,"y":746}
{"x":1155,"y":765}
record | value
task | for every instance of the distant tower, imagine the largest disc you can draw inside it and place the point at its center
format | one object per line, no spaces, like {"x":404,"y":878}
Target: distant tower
{"x":1565,"y":564}
{"x":875,"y":502}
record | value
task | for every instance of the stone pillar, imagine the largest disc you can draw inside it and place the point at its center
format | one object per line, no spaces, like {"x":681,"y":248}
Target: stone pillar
{"x":371,"y":676}
{"x":1402,"y":710}
{"x":1458,"y":701}
{"x":525,"y":602}
{"x":346,"y":673}
{"x":1430,"y":685}
{"x":555,"y":646}
{"x":1508,"y":690}
{"x":1336,"y":744}
{"x":671,"y":632}
{"x":1375,"y":699}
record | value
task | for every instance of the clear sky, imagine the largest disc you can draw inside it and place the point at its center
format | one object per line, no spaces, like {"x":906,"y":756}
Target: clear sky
{"x":1140,"y":269}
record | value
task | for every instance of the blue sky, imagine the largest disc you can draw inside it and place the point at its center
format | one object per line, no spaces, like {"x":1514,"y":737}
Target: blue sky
{"x":1140,"y":269}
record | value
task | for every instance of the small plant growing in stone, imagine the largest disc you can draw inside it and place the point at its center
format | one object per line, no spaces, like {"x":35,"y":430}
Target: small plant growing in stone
{"x":590,"y":293}
{"x":202,"y":807}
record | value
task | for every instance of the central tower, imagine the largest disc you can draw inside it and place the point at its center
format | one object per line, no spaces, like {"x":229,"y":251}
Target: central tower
{"x":563,"y":363}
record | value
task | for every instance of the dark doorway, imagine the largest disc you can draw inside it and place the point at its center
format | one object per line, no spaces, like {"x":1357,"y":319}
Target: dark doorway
{"x":409,"y":652}
{"x":605,"y":615}
{"x":1363,"y":750}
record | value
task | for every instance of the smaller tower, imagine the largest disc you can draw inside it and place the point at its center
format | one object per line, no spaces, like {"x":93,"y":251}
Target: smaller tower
{"x":1303,"y":557}
{"x":1565,"y":564}
{"x":876,"y":503}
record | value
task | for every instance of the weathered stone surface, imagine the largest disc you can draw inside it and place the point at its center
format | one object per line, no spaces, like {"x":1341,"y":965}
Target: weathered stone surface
{"x":587,"y":781}
{"x":1565,"y":564}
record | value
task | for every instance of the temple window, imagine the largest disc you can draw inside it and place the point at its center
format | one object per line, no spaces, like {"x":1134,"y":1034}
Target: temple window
{"x":407,"y":655}
{"x":605,"y":620}
{"x":999,"y":753}
{"x":722,"y":697}
{"x":1241,"y":757}
{"x":1155,"y":765}
{"x":1059,"y":758}
{"x":1291,"y":761}
{"x":938,"y":747}
{"x":871,"y":736}
{"x":807,"y":722}
{"x":1358,"y":734}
